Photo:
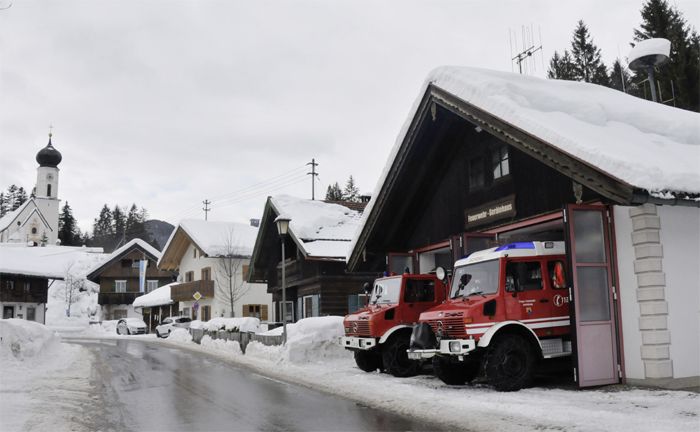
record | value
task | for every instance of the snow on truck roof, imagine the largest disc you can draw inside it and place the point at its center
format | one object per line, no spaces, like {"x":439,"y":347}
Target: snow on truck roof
{"x":520,"y":249}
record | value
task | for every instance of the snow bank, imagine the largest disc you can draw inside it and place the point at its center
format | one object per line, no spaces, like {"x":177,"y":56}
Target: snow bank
{"x":180,"y":335}
{"x":222,"y":346}
{"x":309,"y":340}
{"x":246,"y":324}
{"x":21,"y":339}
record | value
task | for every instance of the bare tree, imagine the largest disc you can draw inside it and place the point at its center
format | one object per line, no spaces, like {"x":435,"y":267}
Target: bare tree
{"x":229,"y":269}
{"x":73,"y":283}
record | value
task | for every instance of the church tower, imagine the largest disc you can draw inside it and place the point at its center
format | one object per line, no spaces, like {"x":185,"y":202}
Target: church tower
{"x":46,"y":192}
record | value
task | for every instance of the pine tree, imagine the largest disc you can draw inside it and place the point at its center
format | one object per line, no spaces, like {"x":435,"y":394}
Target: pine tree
{"x":20,"y":197}
{"x":620,"y":78}
{"x":659,"y":20}
{"x":588,"y":64}
{"x":68,"y":231}
{"x":333,"y":193}
{"x":11,"y":197}
{"x":3,"y":205}
{"x":351,"y":192}
{"x":562,"y":67}
{"x":119,"y":220}
{"x":103,"y":224}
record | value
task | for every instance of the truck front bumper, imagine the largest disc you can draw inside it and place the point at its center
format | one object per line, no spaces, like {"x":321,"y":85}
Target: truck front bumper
{"x":453,"y":347}
{"x":358,"y":343}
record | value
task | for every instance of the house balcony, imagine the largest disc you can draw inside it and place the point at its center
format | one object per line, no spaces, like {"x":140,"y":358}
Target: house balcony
{"x":114,"y":298}
{"x":185,"y":291}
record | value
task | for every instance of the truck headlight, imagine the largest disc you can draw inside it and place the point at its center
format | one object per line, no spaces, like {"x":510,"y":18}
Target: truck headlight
{"x":455,"y":346}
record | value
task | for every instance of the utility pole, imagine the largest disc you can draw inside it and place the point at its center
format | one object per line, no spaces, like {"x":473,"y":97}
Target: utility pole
{"x":313,"y":175}
{"x":206,"y":208}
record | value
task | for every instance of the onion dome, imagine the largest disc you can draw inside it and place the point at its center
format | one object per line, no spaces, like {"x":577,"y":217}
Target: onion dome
{"x":49,"y":156}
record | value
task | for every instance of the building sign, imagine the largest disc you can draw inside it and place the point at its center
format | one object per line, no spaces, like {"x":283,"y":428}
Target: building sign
{"x":489,"y":212}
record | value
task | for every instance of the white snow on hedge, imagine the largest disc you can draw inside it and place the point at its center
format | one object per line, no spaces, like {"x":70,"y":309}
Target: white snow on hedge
{"x":322,"y":229}
{"x":244,"y":324}
{"x":157,"y":297}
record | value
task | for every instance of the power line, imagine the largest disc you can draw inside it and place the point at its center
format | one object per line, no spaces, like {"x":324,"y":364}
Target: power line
{"x":313,"y":175}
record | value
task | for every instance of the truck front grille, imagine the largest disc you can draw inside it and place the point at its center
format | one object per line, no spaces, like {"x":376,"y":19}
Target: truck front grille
{"x":357,"y":328}
{"x":451,"y":328}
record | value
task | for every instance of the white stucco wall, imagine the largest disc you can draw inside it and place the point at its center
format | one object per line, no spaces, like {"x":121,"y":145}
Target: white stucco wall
{"x":39,"y":309}
{"x":680,"y":237}
{"x":256,"y":293}
{"x":631,"y":335}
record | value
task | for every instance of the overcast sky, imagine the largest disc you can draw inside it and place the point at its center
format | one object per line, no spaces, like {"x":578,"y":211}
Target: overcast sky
{"x":167,"y":103}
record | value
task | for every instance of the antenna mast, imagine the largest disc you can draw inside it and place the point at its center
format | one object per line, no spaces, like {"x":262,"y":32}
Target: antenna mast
{"x":526,"y":53}
{"x":206,"y":208}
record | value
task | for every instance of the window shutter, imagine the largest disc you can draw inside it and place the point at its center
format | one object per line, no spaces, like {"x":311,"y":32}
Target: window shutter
{"x":263,"y":313}
{"x":300,"y":307}
{"x":246,"y":310}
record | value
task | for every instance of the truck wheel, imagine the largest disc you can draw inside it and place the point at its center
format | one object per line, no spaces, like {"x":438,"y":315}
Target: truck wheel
{"x":510,"y":363}
{"x":454,"y":372}
{"x":395,"y":358}
{"x":368,"y":361}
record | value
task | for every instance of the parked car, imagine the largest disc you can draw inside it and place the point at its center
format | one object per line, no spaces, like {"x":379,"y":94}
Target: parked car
{"x":131,"y":326}
{"x":171,"y":323}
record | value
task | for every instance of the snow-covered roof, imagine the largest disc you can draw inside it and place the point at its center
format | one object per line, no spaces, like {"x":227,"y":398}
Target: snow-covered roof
{"x":643,"y":144}
{"x":130,"y":245}
{"x":157,"y":297}
{"x":51,"y":262}
{"x":323,"y":230}
{"x":10,"y":217}
{"x":212,"y":237}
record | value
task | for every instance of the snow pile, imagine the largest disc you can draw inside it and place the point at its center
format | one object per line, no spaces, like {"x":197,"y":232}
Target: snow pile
{"x":21,"y":339}
{"x":221,"y":346}
{"x":308,"y":340}
{"x":157,"y":297}
{"x":245,"y":324}
{"x":180,"y":335}
{"x":654,"y":46}
{"x":323,"y":229}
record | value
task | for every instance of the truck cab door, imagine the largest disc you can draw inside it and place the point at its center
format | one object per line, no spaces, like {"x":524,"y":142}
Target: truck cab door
{"x":525,"y":297}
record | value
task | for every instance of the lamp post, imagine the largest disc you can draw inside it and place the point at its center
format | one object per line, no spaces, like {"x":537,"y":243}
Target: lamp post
{"x":282,"y":228}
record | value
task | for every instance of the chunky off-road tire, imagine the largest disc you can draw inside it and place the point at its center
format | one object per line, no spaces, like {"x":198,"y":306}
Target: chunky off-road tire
{"x":395,"y":358}
{"x":368,"y":361}
{"x":510,"y":363}
{"x":455,"y":372}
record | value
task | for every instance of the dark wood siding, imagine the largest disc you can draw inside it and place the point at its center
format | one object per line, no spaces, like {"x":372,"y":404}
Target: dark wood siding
{"x":37,"y":293}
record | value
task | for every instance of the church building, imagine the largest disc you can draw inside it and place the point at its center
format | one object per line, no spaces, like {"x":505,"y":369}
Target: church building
{"x":36,"y":221}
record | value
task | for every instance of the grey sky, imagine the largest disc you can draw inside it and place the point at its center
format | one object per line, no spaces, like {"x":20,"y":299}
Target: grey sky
{"x":166,"y":103}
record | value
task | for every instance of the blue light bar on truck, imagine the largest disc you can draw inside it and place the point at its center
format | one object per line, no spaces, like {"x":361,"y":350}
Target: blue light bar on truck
{"x":517,"y":245}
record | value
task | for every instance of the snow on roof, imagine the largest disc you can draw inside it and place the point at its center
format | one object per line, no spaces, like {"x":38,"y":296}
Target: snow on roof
{"x":645,"y":144}
{"x":125,"y":249}
{"x":212,"y":237}
{"x":51,"y":262}
{"x":9,"y":217}
{"x":157,"y":297}
{"x":324,"y":230}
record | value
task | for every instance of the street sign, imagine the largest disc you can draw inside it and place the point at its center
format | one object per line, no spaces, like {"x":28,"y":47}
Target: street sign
{"x":197,"y":296}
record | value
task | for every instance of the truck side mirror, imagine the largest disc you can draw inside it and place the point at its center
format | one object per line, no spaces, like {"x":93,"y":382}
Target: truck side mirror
{"x":367,"y":288}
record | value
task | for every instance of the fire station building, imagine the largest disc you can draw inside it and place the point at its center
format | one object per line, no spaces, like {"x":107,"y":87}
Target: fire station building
{"x":488,"y":158}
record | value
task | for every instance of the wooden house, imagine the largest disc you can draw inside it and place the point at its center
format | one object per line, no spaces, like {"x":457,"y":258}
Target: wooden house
{"x":488,"y":158}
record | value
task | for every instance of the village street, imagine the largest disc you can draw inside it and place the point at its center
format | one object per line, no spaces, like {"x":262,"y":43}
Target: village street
{"x":191,"y":391}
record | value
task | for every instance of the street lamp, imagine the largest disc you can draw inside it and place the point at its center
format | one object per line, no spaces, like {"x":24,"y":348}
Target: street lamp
{"x":282,"y":228}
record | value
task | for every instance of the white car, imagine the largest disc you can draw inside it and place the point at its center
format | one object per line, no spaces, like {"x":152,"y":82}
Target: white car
{"x":131,"y":326}
{"x":171,"y":323}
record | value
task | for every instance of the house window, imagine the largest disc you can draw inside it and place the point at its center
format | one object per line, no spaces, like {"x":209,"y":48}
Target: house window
{"x":206,"y":313}
{"x":245,"y":271}
{"x":189,"y":276}
{"x":185,"y":312}
{"x":500,"y":162}
{"x":476,"y":173}
{"x":255,"y":310}
{"x":194,"y":252}
{"x":31,"y":314}
{"x":27,"y":287}
{"x":278,"y":311}
{"x":151,"y":285}
{"x":126,"y":263}
{"x":34,"y":230}
{"x":310,"y":306}
{"x":48,"y":190}
{"x":10,"y":285}
{"x":120,"y":286}
{"x":206,"y":273}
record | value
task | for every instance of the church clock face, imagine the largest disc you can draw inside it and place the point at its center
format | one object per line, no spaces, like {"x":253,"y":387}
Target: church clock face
{"x":49,"y":176}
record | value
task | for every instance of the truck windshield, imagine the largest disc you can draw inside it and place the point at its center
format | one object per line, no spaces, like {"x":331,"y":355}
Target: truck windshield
{"x":475,"y":279}
{"x":386,"y":291}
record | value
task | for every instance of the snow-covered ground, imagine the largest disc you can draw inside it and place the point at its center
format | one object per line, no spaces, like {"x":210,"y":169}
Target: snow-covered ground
{"x":311,"y":358}
{"x":44,"y":384}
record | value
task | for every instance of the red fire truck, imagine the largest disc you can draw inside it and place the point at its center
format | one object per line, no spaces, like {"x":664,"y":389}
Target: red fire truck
{"x":508,"y":307}
{"x":379,"y":334}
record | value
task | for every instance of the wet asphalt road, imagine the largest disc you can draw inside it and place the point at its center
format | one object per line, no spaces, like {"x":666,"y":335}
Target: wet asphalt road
{"x":147,"y":387}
